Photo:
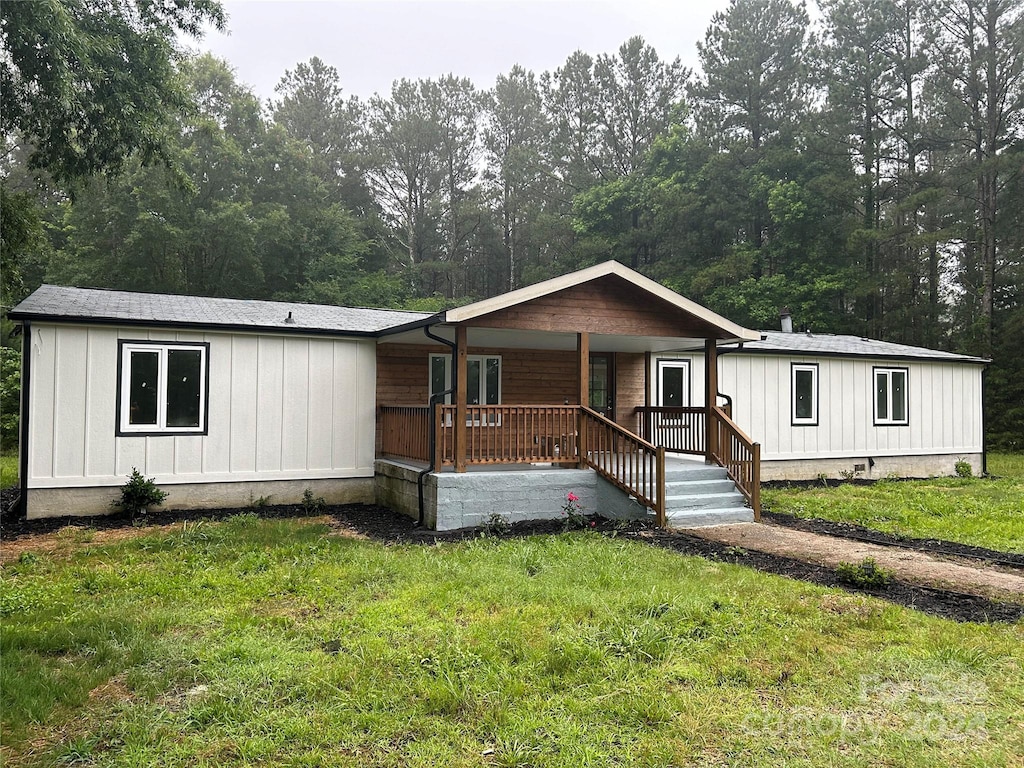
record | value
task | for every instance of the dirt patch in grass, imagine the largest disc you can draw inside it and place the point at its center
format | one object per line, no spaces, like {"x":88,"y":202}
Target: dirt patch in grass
{"x":387,"y":527}
{"x":872,"y":536}
{"x":947,"y":603}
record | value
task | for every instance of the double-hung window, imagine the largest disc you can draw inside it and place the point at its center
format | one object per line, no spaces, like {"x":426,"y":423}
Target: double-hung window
{"x":162,"y":388}
{"x":483,"y":379}
{"x":804,"y":398}
{"x":891,"y":396}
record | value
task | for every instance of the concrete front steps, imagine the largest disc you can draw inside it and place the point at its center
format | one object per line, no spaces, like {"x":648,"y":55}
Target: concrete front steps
{"x":701,"y":494}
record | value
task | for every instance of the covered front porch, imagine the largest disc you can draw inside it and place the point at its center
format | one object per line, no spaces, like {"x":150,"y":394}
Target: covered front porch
{"x":559,"y":375}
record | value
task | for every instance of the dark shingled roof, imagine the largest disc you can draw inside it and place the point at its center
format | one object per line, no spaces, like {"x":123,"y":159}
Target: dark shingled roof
{"x":54,"y":302}
{"x":829,"y":345}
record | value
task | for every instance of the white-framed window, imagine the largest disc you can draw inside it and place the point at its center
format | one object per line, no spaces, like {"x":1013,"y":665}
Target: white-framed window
{"x":804,"y":394}
{"x":162,"y":388}
{"x":891,"y":400}
{"x":483,"y":378}
{"x":673,"y":383}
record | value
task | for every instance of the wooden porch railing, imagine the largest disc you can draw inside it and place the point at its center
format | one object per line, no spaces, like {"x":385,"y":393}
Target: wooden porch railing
{"x":571,"y":434}
{"x":623,"y":459}
{"x":741,"y":457}
{"x":404,"y":431}
{"x":680,"y":430}
{"x":512,"y":434}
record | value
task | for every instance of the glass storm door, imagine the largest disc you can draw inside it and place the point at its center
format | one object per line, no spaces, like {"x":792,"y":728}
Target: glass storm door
{"x":674,"y":383}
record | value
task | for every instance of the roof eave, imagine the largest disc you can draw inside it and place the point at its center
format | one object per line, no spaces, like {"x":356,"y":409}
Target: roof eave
{"x":22,"y":317}
{"x":862,"y":355}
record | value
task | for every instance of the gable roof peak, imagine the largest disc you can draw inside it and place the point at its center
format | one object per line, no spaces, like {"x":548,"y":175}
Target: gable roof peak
{"x":729,"y":329}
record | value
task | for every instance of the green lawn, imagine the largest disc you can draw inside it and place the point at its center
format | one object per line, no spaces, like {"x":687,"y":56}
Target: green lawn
{"x":269,"y":642}
{"x":8,"y":469}
{"x":1006,"y":465}
{"x":985,"y":512}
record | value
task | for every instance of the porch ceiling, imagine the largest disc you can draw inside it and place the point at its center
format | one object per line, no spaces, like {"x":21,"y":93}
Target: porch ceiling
{"x":508,"y":338}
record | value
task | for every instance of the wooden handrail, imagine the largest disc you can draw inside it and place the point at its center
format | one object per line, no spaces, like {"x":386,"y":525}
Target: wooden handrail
{"x":740,"y":456}
{"x":625,"y":460}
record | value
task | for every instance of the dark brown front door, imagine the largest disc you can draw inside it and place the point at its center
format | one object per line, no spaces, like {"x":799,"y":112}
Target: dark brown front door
{"x":602,"y":383}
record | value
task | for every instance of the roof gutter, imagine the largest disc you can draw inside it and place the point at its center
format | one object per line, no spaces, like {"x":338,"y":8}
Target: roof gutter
{"x":424,"y":323}
{"x":432,"y":426}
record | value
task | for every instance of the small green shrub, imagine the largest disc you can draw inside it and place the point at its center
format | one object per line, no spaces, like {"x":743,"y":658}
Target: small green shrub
{"x":138,"y":494}
{"x":866,"y":574}
{"x":963,"y":468}
{"x":313,"y":505}
{"x":496,"y":525}
{"x":258,"y":502}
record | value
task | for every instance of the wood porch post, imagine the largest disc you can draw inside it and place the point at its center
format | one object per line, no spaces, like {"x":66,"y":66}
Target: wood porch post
{"x":710,"y":396}
{"x":583,"y":379}
{"x":460,"y":398}
{"x":583,"y":350}
{"x":646,"y":432}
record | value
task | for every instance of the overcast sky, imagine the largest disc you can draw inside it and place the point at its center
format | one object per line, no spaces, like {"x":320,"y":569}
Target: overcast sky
{"x":374,"y":42}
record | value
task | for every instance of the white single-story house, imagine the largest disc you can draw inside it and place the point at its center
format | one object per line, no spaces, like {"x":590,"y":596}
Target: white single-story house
{"x":842,"y":406}
{"x":593,"y":382}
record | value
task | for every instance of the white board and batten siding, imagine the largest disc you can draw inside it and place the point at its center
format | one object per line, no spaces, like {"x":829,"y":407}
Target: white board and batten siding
{"x":281,"y":407}
{"x":944,"y":406}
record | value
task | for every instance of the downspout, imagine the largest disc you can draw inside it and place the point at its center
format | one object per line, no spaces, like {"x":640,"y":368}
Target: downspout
{"x":23,"y":425}
{"x":727,"y":398}
{"x":432,"y":427}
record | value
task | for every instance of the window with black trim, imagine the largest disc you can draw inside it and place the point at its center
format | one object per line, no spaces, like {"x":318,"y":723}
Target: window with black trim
{"x":162,"y":388}
{"x":804,"y":397}
{"x":891,"y":396}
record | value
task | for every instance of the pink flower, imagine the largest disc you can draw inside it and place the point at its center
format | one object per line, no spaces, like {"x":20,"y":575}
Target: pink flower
{"x":572,"y":497}
{"x":593,"y":524}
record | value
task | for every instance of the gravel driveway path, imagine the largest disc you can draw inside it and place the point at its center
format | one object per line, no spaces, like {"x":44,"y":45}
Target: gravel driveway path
{"x":909,"y":566}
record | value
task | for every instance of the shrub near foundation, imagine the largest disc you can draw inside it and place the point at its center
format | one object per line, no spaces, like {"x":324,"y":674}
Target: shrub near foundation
{"x":138,"y":495}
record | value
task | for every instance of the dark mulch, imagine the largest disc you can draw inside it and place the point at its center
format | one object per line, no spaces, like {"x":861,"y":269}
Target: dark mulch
{"x":14,"y":527}
{"x":389,"y":527}
{"x":869,"y":535}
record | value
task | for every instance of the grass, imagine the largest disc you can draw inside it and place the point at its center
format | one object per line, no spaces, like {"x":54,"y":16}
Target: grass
{"x":8,"y":469}
{"x":1006,"y":465}
{"x":984,"y":512}
{"x":271,"y":642}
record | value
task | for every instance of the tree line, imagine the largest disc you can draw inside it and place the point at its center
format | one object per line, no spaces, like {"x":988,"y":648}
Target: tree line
{"x":865,"y":169}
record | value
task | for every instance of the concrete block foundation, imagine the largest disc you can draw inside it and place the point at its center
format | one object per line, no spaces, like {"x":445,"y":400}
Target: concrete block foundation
{"x":82,"y":502}
{"x":874,"y":468}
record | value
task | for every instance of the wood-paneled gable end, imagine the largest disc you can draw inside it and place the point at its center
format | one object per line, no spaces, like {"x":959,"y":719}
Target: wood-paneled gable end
{"x":607,"y":305}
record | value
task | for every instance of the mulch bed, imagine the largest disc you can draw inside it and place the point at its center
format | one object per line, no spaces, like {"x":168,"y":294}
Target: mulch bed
{"x":389,"y":527}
